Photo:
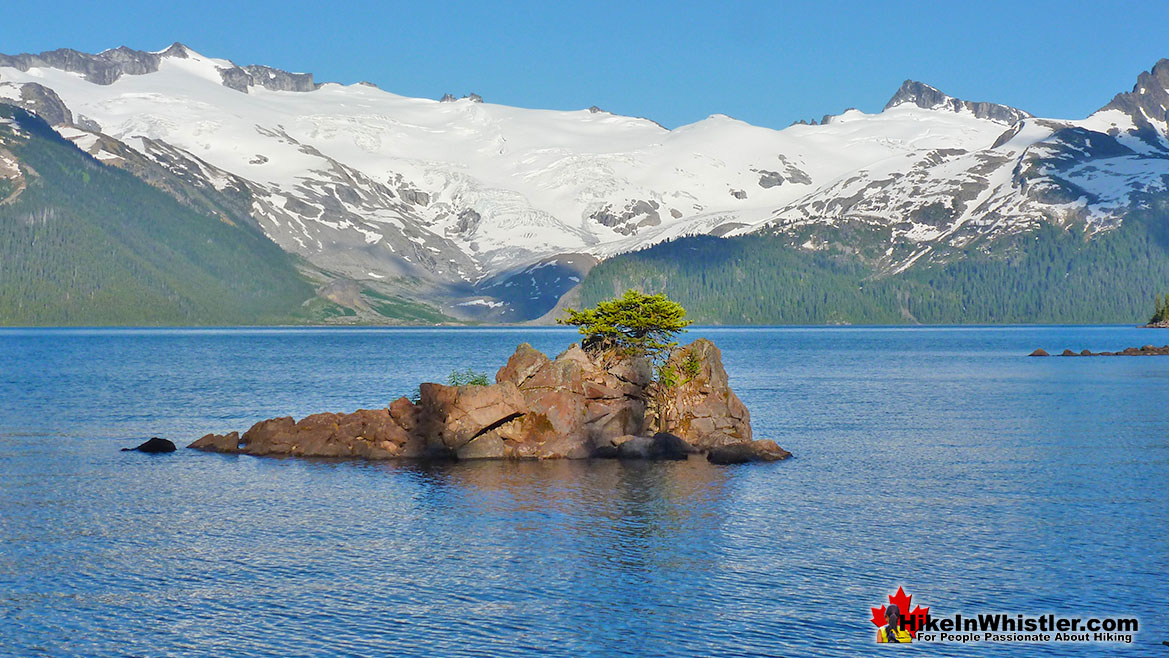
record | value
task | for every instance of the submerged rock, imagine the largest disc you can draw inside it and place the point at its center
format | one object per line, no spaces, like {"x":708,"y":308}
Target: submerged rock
{"x":153,"y":445}
{"x":580,"y":404}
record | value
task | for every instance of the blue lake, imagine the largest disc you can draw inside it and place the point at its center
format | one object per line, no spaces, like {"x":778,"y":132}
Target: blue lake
{"x":941,"y":460}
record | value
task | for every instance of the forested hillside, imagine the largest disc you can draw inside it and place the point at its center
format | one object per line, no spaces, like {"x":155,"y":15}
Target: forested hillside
{"x":1051,"y":275}
{"x":83,"y":243}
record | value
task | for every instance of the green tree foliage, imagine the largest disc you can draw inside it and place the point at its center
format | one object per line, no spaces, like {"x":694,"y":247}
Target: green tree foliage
{"x":633,"y":322}
{"x":1161,"y":312}
{"x":86,"y":243}
{"x":1049,"y":275}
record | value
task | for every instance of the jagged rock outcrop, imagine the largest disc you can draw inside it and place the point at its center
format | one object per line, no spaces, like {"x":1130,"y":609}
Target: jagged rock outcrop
{"x":930,"y":98}
{"x":578,"y":405}
{"x":1148,"y":102}
{"x":702,"y":408}
{"x":103,"y":68}
{"x":240,"y":78}
{"x":43,"y":102}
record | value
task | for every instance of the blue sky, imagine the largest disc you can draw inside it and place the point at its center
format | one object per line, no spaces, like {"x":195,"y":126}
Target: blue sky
{"x":768,"y":63}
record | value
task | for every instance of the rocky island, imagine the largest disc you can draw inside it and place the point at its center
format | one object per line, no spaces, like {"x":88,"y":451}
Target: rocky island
{"x":599,"y":398}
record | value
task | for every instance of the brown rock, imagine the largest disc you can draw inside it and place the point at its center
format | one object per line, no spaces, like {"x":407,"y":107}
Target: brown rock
{"x":703,"y":409}
{"x":1068,"y":353}
{"x":404,"y":413}
{"x":1039,"y":352}
{"x":522,"y":365}
{"x":488,"y":446}
{"x":753,"y":451}
{"x":1085,"y":352}
{"x":769,"y":451}
{"x":217,"y":443}
{"x":365,"y":433}
{"x":272,"y":436}
{"x":453,"y":416}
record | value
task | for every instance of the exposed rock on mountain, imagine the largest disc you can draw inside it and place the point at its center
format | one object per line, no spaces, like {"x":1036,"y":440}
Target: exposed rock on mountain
{"x":102,"y":69}
{"x":43,"y":102}
{"x":241,"y":78}
{"x":453,"y":203}
{"x":929,"y":98}
{"x":1147,"y":106}
{"x":577,"y":405}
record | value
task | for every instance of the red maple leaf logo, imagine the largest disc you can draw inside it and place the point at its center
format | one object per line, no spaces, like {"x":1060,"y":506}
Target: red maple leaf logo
{"x":912,"y":620}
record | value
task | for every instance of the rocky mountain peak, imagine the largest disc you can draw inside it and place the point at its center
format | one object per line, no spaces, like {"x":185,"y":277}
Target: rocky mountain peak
{"x":1149,"y":99}
{"x":930,"y":98}
{"x":177,"y":50}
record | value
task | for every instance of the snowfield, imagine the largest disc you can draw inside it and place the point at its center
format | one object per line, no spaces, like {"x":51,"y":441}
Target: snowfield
{"x":371,"y":185}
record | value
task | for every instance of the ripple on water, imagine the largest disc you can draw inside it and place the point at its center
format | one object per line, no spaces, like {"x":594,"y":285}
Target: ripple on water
{"x":937,"y":459}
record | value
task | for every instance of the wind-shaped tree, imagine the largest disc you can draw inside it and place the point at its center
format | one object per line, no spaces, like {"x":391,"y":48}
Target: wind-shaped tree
{"x":639,"y":325}
{"x":635,"y":323}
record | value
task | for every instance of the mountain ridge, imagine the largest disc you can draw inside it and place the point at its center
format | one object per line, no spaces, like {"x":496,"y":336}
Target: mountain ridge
{"x":492,"y":213}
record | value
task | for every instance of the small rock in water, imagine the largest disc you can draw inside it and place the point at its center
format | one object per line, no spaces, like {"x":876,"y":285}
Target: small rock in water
{"x":1039,"y":352}
{"x":154,"y":445}
{"x":753,"y":451}
{"x":1069,"y":353}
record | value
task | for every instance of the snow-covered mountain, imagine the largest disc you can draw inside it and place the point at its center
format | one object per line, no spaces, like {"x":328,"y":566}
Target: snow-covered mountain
{"x":494,"y":212}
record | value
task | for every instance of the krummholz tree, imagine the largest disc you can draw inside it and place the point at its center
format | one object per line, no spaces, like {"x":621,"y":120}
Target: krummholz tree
{"x":639,"y":325}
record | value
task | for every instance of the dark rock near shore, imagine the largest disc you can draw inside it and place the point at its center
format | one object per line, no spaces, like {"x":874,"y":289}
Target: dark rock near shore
{"x":752,"y":451}
{"x":661,"y":446}
{"x":1039,"y":352}
{"x":153,"y":445}
{"x":580,"y":404}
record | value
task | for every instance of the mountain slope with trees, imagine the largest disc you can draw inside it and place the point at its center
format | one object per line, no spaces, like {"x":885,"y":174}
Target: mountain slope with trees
{"x":1048,"y":275}
{"x":83,"y":243}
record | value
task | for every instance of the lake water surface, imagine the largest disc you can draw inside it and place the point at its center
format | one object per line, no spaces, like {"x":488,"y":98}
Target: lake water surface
{"x":937,"y":459}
